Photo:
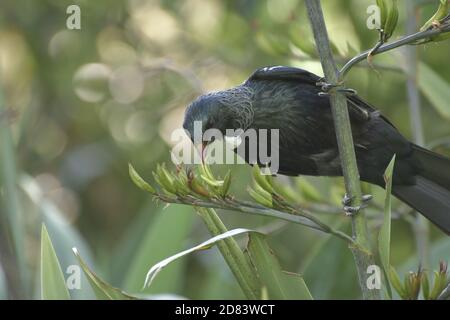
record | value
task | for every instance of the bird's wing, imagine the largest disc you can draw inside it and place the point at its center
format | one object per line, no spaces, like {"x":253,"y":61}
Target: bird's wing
{"x":363,"y":111}
{"x":359,"y":110}
{"x":284,"y":73}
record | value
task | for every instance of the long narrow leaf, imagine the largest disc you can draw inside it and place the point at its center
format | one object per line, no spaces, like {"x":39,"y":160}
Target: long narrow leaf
{"x":384,"y":237}
{"x":53,"y":284}
{"x":202,"y":246}
{"x":102,"y":290}
{"x":137,"y":179}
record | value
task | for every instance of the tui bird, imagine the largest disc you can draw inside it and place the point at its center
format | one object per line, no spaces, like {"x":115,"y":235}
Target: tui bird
{"x":289,"y":99}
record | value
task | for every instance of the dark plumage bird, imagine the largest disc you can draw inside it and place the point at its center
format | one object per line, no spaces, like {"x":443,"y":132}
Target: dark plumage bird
{"x":288,"y":99}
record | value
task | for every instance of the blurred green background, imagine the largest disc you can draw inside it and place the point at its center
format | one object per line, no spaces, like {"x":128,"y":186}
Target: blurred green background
{"x":81,"y":104}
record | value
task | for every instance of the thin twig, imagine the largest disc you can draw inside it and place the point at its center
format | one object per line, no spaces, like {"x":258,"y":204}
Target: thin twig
{"x":343,"y":60}
{"x":410,"y":39}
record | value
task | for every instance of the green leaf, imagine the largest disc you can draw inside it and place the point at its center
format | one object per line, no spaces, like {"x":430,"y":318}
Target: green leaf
{"x":279,"y":284}
{"x":226,"y":184}
{"x":53,"y":284}
{"x":65,"y":236}
{"x":137,"y":179}
{"x":397,"y":283}
{"x":262,"y":180}
{"x":440,"y":282}
{"x":212,"y":183}
{"x":287,"y":192}
{"x":308,"y":190}
{"x":425,"y":287}
{"x":384,"y":237}
{"x":439,"y":250}
{"x":165,"y":179}
{"x":383,"y":11}
{"x":392,"y":19}
{"x":165,"y":235}
{"x":407,"y":284}
{"x":263,"y":199}
{"x":416,"y":281}
{"x":102,"y":290}
{"x":154,"y":270}
{"x":205,"y":171}
{"x":435,"y":88}
{"x":389,"y":16}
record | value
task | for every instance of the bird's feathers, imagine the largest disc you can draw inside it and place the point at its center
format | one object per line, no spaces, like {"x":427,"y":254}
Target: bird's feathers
{"x":359,"y":109}
{"x":288,"y":99}
{"x":434,"y":166}
{"x":429,"y":198}
{"x":284,"y":73}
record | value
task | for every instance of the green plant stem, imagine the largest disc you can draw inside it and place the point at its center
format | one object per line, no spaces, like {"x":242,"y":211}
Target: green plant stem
{"x":233,"y":255}
{"x":10,"y":198}
{"x":362,"y":254}
{"x":420,"y":225}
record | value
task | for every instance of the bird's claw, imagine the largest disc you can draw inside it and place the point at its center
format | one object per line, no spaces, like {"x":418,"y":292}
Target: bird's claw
{"x":347,"y":200}
{"x":352,"y":210}
{"x":326,"y":87}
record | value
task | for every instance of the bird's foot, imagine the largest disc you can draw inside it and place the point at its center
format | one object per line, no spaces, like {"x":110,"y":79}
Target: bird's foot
{"x":352,"y":210}
{"x":326,"y":87}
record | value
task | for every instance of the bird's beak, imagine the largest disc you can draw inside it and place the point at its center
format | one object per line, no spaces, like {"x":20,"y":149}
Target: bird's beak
{"x":201,"y":147}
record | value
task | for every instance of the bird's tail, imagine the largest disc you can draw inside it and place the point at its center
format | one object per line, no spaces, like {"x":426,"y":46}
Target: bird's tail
{"x":431,"y":193}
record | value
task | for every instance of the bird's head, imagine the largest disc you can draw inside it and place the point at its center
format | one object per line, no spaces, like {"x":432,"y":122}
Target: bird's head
{"x":207,"y":112}
{"x":229,"y":109}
